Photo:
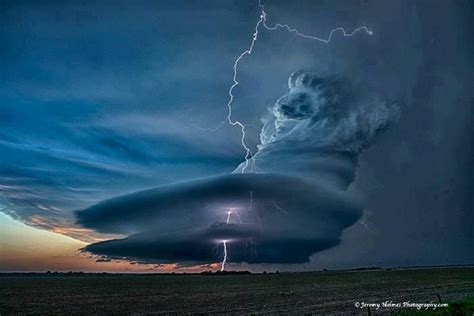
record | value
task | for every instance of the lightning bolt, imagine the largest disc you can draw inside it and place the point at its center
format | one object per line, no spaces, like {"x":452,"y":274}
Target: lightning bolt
{"x":224,"y":243}
{"x":263,"y":22}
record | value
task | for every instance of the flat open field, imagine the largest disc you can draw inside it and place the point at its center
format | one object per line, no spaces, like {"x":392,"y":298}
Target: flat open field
{"x":285,"y":293}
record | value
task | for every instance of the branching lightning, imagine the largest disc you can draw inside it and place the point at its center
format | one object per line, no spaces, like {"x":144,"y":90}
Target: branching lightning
{"x":248,"y":51}
{"x":263,"y":22}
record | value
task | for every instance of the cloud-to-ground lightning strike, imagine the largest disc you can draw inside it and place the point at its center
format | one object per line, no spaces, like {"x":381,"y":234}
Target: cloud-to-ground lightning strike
{"x":235,"y":83}
{"x":248,"y":51}
{"x":224,"y":260}
{"x":224,"y":243}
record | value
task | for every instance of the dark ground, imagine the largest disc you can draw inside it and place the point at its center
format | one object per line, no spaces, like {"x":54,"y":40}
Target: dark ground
{"x":285,"y":293}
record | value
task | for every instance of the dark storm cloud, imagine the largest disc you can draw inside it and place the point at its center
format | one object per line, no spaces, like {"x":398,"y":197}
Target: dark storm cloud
{"x":205,"y":201}
{"x":273,"y":211}
{"x":290,"y":195}
{"x":194,"y":247}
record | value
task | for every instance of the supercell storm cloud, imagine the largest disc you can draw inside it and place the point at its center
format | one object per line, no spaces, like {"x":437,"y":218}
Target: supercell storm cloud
{"x":173,"y":131}
{"x":289,"y":203}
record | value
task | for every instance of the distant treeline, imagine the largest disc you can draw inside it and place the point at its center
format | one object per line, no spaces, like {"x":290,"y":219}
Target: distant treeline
{"x":214,"y":273}
{"x":93,"y":274}
{"x":81,"y":273}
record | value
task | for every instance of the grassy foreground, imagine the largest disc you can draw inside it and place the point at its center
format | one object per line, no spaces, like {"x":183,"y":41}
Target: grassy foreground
{"x":284,"y":293}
